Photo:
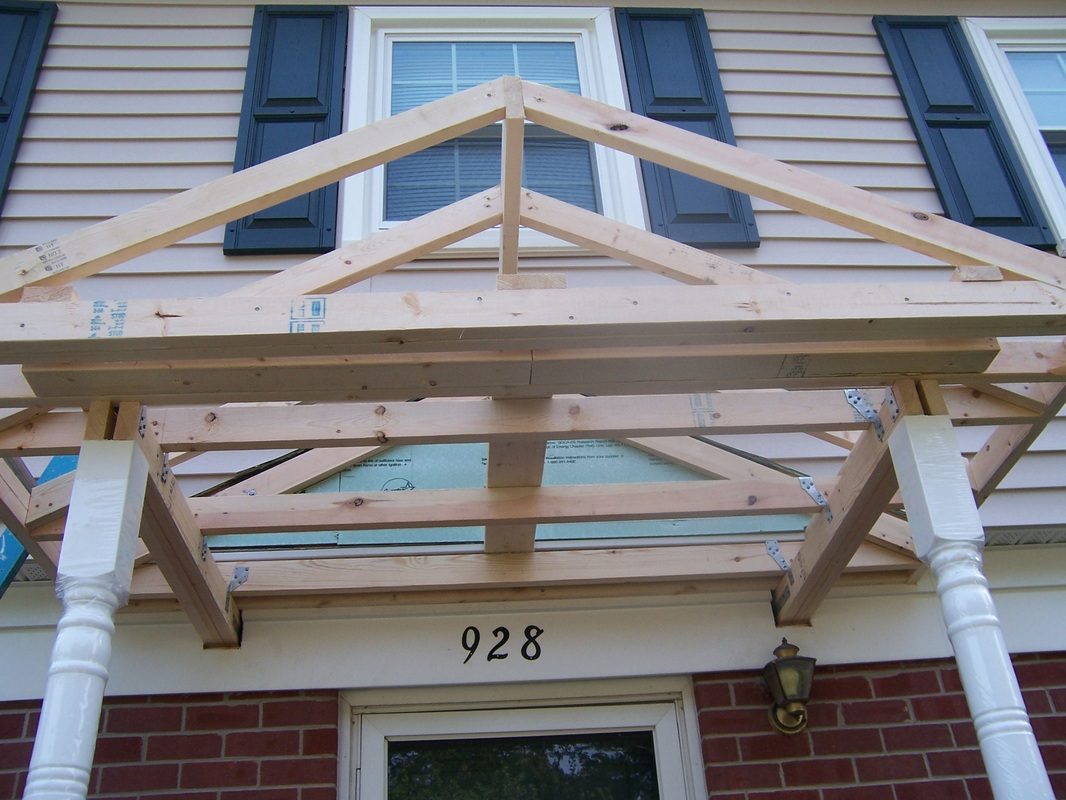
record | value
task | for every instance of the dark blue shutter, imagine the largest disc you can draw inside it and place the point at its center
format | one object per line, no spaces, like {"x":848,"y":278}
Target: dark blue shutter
{"x":672,"y":77}
{"x":24,"y":29}
{"x":292,"y":98}
{"x":974,"y":165}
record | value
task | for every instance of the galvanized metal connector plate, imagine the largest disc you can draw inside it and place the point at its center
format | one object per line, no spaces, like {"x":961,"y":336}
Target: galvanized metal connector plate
{"x":857,"y":399}
{"x":240,"y":575}
{"x":808,"y":486}
{"x":773,"y":547}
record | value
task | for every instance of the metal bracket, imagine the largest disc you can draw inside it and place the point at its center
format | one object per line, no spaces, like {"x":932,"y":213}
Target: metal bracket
{"x":164,"y":474}
{"x":240,"y":575}
{"x":807,"y":484}
{"x":203,"y":549}
{"x":142,"y":424}
{"x":773,"y":547}
{"x":857,"y":400}
{"x":890,"y":401}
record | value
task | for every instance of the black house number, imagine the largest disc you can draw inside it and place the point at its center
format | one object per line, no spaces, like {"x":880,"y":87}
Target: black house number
{"x":501,"y":643}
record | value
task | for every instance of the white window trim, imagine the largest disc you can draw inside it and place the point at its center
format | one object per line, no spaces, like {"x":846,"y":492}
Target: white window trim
{"x":666,"y":706}
{"x":621,"y":190}
{"x":991,"y":38}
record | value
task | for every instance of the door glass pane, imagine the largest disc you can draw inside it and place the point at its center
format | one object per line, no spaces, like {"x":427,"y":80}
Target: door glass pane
{"x":595,"y":766}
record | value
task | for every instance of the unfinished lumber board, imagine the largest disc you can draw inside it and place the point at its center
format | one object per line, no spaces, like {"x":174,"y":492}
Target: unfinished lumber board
{"x":92,"y":249}
{"x":14,"y":508}
{"x":866,"y":484}
{"x":382,"y":251}
{"x":513,"y":463}
{"x":478,"y":420}
{"x":411,"y":322}
{"x":12,"y":417}
{"x":706,"y":459}
{"x":632,"y":245}
{"x":611,"y":371}
{"x":786,"y":185}
{"x":1007,"y":444}
{"x":53,"y":434}
{"x":301,"y":471}
{"x":169,"y":530}
{"x":514,"y":124}
{"x":455,"y":507}
{"x":588,"y":572}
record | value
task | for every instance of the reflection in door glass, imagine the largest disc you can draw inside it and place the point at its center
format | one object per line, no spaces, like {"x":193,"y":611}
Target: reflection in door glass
{"x":604,"y":766}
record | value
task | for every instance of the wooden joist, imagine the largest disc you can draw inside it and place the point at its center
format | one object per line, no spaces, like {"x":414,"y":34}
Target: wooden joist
{"x":631,"y":570}
{"x":509,"y":506}
{"x":369,"y":425}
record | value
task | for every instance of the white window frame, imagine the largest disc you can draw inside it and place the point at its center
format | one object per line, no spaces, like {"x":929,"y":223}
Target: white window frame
{"x":664,"y":706}
{"x":599,"y":63}
{"x":992,"y":38}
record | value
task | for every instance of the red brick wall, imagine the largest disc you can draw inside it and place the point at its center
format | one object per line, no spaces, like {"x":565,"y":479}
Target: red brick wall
{"x":267,"y":746}
{"x":876,"y":732}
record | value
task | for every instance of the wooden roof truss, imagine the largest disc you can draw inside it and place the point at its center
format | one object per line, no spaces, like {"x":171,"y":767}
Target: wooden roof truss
{"x":734,"y":350}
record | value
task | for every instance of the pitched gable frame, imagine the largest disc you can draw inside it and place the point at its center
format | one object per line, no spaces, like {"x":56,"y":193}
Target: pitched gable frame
{"x":557,"y":363}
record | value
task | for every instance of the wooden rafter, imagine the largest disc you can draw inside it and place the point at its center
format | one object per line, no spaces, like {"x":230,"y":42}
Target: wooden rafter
{"x":14,"y":508}
{"x":866,"y":484}
{"x":177,"y":544}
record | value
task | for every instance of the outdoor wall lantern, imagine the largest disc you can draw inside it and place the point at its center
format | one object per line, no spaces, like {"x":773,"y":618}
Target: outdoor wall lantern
{"x":789,"y":677}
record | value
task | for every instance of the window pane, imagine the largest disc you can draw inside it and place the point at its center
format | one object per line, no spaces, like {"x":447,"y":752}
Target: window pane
{"x":606,"y":766}
{"x":1043,"y":80}
{"x":559,"y":166}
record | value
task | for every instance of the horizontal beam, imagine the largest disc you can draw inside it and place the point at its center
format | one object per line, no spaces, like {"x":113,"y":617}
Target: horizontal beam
{"x":417,"y":323}
{"x":458,"y":507}
{"x":343,"y":425}
{"x":483,"y":420}
{"x":606,"y":371}
{"x":618,"y":570}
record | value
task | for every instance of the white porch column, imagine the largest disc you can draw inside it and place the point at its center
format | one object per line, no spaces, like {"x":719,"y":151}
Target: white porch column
{"x":948,"y":536}
{"x":94,"y":574}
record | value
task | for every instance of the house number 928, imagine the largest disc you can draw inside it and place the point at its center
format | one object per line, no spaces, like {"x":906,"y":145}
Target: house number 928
{"x":501,"y":643}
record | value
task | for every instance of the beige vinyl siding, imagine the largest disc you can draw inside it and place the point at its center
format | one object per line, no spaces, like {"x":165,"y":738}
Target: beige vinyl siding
{"x":134,"y":103}
{"x":814,"y":90}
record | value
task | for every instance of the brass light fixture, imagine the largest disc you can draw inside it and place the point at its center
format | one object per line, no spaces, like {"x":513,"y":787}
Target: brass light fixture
{"x":789,"y":677}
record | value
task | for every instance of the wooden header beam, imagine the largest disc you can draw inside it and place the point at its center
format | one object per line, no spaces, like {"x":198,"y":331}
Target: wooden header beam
{"x":411,"y":323}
